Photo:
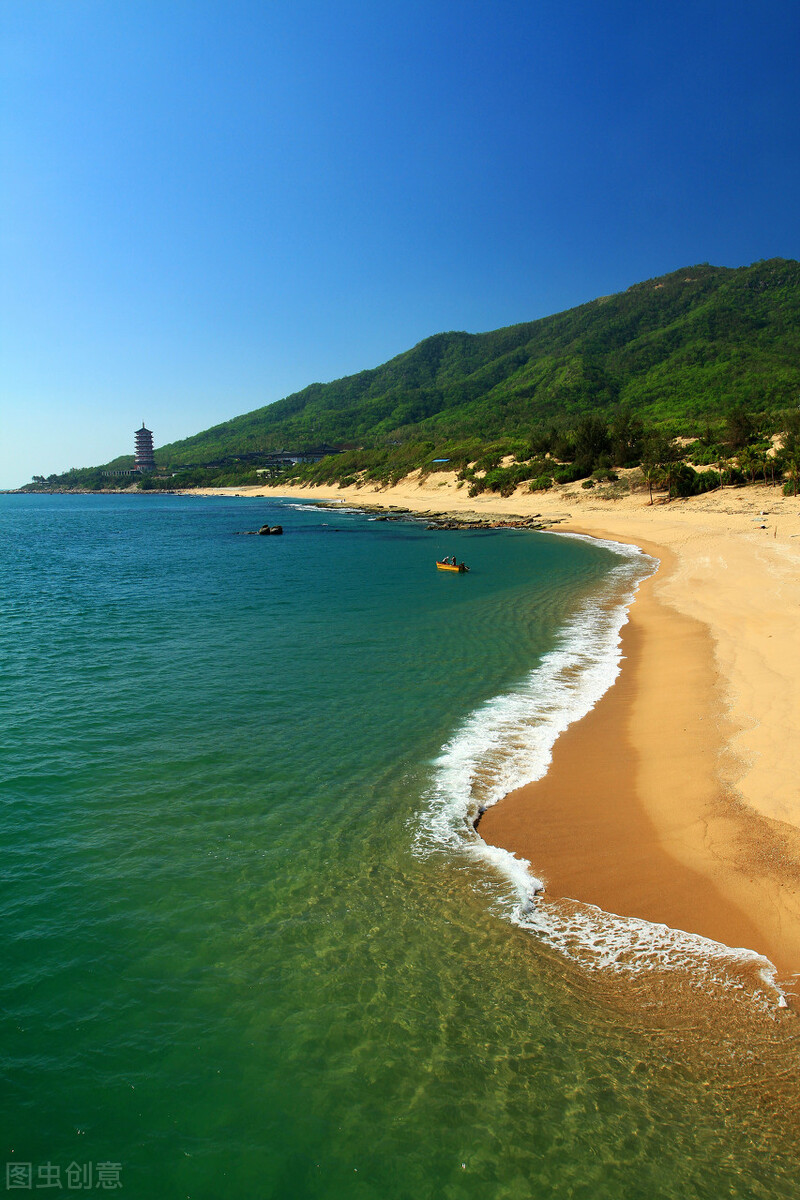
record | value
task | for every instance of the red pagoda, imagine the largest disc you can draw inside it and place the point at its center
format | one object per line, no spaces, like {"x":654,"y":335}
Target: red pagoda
{"x":143,"y":459}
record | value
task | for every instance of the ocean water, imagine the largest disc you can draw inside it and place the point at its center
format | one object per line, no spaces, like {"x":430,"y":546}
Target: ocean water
{"x":252,"y":946}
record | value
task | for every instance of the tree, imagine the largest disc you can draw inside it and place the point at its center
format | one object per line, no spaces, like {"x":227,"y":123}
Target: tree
{"x":626,"y":435}
{"x":739,"y":427}
{"x":592,"y":442}
{"x":684,"y":481}
{"x":777,"y":465}
{"x":791,"y":449}
{"x":563,"y":448}
{"x":658,"y":461}
{"x":793,"y":465}
{"x":751,"y":461}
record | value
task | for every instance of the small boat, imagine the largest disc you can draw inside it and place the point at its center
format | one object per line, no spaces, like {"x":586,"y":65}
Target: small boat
{"x":459,"y":568}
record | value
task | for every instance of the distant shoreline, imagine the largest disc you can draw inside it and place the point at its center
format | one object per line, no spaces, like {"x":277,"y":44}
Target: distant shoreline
{"x":131,"y":491}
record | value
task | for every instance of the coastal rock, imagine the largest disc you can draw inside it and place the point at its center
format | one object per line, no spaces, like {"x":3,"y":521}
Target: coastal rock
{"x":276,"y":529}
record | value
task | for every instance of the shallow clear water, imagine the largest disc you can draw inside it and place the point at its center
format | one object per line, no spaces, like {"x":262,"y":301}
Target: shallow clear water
{"x":248,"y":950}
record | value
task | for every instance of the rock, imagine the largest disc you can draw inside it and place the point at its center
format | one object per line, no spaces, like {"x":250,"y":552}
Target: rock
{"x":265,"y":530}
{"x":276,"y":529}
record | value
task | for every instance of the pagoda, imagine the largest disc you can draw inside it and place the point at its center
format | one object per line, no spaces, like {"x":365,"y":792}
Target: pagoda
{"x":143,"y":459}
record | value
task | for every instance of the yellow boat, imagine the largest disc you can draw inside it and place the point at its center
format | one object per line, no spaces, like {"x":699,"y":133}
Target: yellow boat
{"x":459,"y":568}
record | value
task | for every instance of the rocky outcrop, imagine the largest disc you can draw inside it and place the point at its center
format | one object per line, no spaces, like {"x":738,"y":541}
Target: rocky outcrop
{"x":264,"y":531}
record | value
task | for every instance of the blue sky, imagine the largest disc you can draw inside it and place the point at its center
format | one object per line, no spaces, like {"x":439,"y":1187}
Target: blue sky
{"x":207,"y":204}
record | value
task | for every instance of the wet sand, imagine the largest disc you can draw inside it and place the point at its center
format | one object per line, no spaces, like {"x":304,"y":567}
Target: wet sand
{"x":634,"y":815}
{"x":587,"y":835}
{"x":678,"y":798}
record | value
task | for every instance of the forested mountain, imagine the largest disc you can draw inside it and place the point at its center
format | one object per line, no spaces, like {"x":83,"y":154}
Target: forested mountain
{"x":674,"y":349}
{"x":673,"y":355}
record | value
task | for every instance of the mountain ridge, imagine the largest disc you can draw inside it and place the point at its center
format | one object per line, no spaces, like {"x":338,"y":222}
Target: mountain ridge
{"x":677,"y":350}
{"x":676,"y":346}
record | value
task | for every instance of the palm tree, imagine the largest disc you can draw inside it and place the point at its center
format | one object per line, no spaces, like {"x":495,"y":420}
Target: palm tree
{"x":749,"y":462}
{"x":658,"y":462}
{"x":652,"y":473}
{"x":793,"y":465}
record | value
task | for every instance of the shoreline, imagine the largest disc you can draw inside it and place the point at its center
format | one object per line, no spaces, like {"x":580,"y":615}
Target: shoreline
{"x":621,"y":820}
{"x":695,"y":749}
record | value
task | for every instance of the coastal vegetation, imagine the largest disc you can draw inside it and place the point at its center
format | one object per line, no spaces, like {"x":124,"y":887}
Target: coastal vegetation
{"x":692,"y":378}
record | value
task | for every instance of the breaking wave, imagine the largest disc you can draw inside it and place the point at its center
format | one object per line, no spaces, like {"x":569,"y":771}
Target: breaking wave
{"x":508,"y":741}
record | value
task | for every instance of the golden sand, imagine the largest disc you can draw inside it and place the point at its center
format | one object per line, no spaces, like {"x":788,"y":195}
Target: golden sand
{"x":678,"y":798}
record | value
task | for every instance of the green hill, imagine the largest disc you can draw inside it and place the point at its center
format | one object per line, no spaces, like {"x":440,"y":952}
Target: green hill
{"x":675,"y":349}
{"x":678,"y":351}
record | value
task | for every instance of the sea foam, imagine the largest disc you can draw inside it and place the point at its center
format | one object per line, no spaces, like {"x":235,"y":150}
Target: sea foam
{"x":508,"y":742}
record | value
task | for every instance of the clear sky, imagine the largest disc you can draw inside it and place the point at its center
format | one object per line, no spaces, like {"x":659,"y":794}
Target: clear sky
{"x":207,"y":204}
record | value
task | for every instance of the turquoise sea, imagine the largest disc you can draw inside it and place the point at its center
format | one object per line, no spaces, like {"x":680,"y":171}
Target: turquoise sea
{"x":252,"y":946}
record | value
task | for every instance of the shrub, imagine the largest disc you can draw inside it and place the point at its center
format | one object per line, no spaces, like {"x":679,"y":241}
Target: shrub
{"x":488,"y":460}
{"x":708,"y":481}
{"x":688,"y":482}
{"x":570,"y":473}
{"x":705,"y":455}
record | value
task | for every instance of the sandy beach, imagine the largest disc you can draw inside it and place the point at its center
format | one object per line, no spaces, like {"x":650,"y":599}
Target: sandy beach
{"x":677,"y":798}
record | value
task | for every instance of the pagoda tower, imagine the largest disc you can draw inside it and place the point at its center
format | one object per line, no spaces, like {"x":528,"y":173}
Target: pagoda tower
{"x":143,"y":459}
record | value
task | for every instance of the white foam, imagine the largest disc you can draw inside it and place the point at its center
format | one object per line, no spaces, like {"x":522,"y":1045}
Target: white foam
{"x":508,"y":741}
{"x":315,"y":505}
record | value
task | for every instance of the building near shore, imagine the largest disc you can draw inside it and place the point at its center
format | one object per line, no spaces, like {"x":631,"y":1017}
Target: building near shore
{"x":143,"y":458}
{"x":292,"y":458}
